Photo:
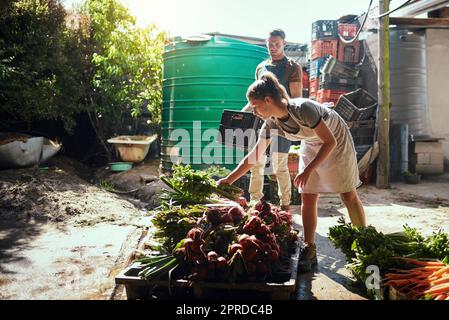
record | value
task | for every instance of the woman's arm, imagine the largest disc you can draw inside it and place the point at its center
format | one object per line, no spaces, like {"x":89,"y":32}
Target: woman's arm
{"x":329,"y":144}
{"x":248,"y":162}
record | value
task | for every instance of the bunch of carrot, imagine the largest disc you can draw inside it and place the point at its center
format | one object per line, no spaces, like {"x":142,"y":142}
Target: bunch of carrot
{"x":426,"y":279}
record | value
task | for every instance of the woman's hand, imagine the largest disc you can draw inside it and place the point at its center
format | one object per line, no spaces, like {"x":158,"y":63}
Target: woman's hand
{"x":302,"y":178}
{"x":224,"y":181}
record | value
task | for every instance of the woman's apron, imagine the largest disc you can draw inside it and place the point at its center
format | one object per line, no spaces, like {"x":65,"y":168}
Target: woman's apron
{"x":339,"y":172}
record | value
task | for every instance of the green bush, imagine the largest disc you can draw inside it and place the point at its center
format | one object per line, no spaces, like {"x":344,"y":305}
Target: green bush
{"x":55,"y":64}
{"x":39,"y":74}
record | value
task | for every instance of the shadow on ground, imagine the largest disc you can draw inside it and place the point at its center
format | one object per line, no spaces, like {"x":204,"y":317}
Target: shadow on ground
{"x":16,"y":236}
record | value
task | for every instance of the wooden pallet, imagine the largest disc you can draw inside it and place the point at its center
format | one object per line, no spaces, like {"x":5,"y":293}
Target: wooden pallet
{"x":394,"y":294}
{"x":281,"y":287}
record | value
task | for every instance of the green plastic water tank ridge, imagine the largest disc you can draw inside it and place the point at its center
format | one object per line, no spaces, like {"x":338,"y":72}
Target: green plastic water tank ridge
{"x":200,"y":80}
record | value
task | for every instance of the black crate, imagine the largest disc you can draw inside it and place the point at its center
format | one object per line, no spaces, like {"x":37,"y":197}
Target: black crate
{"x":232,"y":126}
{"x":324,"y":29}
{"x":329,"y":80}
{"x":363,"y":140}
{"x":357,"y":105}
{"x":361,"y":124}
{"x":339,"y":69}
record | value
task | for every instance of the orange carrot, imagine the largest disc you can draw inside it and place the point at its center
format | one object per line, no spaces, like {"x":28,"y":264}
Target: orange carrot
{"x":394,"y":276}
{"x":427,"y":268}
{"x":440,"y":281}
{"x":423,"y":262}
{"x":440,"y":272}
{"x":399,"y":282}
{"x":442,"y":288}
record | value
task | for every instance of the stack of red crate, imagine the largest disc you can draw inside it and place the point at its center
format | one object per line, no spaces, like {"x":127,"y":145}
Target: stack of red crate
{"x":347,"y":30}
{"x":348,"y":52}
{"x":327,"y":95}
{"x":326,"y":41}
{"x":322,"y":48}
{"x":313,"y":87}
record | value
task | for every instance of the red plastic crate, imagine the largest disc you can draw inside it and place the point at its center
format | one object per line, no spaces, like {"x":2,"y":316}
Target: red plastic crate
{"x":305,"y":79}
{"x":322,"y":48}
{"x":324,"y":95}
{"x":293,"y":164}
{"x":347,"y":30}
{"x":349,"y":52}
{"x":313,"y":87}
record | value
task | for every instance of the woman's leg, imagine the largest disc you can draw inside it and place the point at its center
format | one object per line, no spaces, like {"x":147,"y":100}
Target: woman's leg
{"x":309,"y":212}
{"x":355,"y":208}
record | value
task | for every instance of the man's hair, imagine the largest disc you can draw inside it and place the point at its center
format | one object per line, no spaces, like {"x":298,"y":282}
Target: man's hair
{"x":278,"y":33}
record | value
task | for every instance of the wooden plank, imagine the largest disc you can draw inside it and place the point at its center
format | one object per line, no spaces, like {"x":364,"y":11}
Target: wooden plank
{"x":383,"y":117}
{"x":428,"y":147}
{"x":368,"y":158}
{"x":419,"y":7}
{"x":394,"y":294}
{"x":420,"y":22}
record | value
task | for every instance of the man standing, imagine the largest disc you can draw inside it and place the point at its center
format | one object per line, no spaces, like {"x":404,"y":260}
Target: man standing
{"x":289,"y":74}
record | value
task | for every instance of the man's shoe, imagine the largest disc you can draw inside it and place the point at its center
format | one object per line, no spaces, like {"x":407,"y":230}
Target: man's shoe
{"x":285,"y":208}
{"x":308,"y":258}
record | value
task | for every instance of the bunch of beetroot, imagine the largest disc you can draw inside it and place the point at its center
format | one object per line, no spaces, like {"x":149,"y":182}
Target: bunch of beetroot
{"x":225,"y":215}
{"x":259,"y":255}
{"x":237,"y":244}
{"x":268,"y":217}
{"x":266,"y":220}
{"x":202,"y":265}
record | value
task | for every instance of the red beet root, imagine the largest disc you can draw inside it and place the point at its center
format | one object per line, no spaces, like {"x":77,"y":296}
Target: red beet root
{"x":234,"y":247}
{"x":221,"y":262}
{"x":212,"y":256}
{"x":236,"y":213}
{"x":242,"y":201}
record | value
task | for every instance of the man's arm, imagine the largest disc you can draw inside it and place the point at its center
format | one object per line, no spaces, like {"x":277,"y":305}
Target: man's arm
{"x":295,"y":89}
{"x":295,"y":81}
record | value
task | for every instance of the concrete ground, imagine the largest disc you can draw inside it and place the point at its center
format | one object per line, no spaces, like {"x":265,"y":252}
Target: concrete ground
{"x":79,"y":257}
{"x":62,"y":237}
{"x":45,"y":261}
{"x":424,"y":206}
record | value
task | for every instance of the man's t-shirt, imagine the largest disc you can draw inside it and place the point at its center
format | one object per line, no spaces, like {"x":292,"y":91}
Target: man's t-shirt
{"x":286,"y":70}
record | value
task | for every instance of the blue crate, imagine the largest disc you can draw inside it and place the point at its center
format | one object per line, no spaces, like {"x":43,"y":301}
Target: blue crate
{"x":315,"y":67}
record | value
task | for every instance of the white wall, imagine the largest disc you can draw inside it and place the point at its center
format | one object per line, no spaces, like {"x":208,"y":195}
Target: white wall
{"x":438,"y":85}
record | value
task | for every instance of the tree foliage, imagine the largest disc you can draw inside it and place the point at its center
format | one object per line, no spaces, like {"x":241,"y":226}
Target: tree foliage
{"x":127,"y":63}
{"x":55,"y":64}
{"x":39,"y":78}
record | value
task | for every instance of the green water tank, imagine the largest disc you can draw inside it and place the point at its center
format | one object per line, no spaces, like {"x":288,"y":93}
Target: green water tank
{"x":202,"y":76}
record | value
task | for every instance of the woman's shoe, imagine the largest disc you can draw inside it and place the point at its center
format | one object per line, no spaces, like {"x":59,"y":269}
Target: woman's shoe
{"x":308,"y":258}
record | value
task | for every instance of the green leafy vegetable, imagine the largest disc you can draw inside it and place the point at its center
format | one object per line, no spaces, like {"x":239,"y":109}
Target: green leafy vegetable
{"x":194,"y":187}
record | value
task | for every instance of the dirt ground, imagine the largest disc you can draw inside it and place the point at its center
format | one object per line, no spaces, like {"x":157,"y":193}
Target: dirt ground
{"x":63,"y":235}
{"x":67,"y":230}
